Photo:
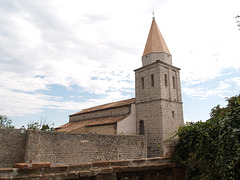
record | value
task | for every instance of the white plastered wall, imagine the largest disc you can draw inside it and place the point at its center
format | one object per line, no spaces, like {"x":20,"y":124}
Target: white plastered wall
{"x":128,"y":125}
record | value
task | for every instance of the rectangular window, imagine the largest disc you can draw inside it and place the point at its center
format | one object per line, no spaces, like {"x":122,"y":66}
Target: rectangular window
{"x":173,"y":114}
{"x":174,"y":84}
{"x":141,"y":127}
{"x":152,"y":80}
{"x":165,"y":78}
{"x":142,"y":82}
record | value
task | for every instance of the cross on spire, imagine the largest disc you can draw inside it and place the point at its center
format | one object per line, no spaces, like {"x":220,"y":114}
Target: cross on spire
{"x":155,"y":42}
{"x":153,"y":13}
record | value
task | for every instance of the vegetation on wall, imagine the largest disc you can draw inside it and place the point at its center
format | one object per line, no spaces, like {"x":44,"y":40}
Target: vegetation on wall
{"x":41,"y":126}
{"x":211,"y":149}
{"x":5,"y":122}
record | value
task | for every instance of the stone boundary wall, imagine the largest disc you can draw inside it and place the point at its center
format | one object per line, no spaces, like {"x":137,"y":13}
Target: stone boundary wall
{"x":12,"y":147}
{"x":67,"y":148}
{"x":136,"y":169}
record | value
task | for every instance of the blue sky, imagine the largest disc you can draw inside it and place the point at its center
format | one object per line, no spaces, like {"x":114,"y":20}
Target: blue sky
{"x":60,"y":56}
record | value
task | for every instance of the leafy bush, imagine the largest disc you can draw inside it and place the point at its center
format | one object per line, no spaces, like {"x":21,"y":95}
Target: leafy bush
{"x":5,"y":122}
{"x":41,"y":126}
{"x":211,"y":149}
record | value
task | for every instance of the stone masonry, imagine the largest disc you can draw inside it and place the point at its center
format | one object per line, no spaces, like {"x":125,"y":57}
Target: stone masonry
{"x":158,"y":93}
{"x":135,"y":169}
{"x":12,"y":147}
{"x":67,"y":148}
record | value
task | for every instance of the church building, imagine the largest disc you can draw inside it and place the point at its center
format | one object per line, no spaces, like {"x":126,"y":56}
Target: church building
{"x":156,"y":111}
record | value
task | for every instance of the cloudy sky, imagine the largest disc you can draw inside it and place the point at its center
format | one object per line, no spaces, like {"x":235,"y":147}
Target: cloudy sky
{"x":60,"y":56}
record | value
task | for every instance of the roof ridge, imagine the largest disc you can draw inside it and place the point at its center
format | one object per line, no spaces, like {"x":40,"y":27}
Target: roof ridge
{"x":72,"y":126}
{"x":106,"y":106}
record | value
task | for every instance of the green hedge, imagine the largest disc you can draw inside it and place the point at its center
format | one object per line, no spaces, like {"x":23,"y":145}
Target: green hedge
{"x":211,"y":149}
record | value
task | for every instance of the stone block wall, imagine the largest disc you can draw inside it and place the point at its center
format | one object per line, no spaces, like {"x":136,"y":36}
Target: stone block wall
{"x":158,"y":103}
{"x":67,"y":148}
{"x":172,"y":115}
{"x":154,"y":56}
{"x":12,"y":147}
{"x":150,"y":113}
{"x":147,"y":169}
{"x":168,"y":90}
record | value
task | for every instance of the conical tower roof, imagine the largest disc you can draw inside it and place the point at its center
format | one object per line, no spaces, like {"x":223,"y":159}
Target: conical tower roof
{"x":155,"y":41}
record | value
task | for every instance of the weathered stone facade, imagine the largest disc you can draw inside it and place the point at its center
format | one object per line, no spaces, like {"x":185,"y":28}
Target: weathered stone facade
{"x":151,"y":58}
{"x":67,"y":148}
{"x":158,"y":94}
{"x":12,"y":147}
{"x":137,"y":169}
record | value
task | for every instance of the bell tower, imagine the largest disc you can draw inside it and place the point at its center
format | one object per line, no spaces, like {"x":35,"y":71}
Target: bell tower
{"x":158,"y":93}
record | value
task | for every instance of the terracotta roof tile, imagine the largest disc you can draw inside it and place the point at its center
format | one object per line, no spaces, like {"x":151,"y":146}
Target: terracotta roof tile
{"x":155,"y":41}
{"x":106,"y":106}
{"x":72,"y":126}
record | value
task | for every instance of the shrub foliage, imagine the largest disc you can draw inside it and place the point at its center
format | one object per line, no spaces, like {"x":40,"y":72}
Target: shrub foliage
{"x":5,"y":122}
{"x":41,"y":126}
{"x":211,"y":149}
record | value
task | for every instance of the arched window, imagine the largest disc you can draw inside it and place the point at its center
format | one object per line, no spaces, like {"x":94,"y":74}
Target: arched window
{"x":141,"y":127}
{"x":142,"y":81}
{"x":152,"y":80}
{"x":174,"y":84}
{"x":165,"y":78}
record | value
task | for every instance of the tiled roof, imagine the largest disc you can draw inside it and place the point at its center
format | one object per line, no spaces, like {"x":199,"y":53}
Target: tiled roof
{"x":155,"y":41}
{"x":72,"y":126}
{"x":106,"y":106}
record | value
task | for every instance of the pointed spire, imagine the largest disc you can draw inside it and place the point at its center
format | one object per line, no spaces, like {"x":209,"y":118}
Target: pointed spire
{"x":155,"y":41}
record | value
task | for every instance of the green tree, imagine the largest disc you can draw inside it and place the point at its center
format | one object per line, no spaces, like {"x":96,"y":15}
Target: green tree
{"x":41,"y":126}
{"x":5,"y":122}
{"x":211,"y":149}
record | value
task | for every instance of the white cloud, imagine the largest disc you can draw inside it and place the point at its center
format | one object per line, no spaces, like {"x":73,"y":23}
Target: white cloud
{"x":22,"y":103}
{"x":96,"y":45}
{"x":235,"y":80}
{"x":223,"y":88}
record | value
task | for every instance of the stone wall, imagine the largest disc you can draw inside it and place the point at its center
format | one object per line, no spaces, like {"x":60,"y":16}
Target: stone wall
{"x":152,"y":57}
{"x":12,"y":147}
{"x":158,"y":103}
{"x":67,"y":148}
{"x":172,"y":115}
{"x":150,"y":113}
{"x":137,"y":169}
